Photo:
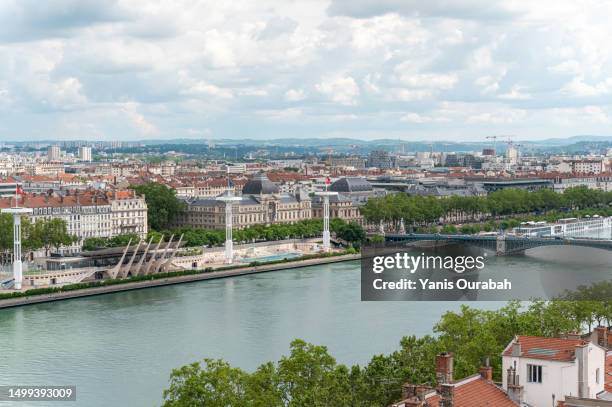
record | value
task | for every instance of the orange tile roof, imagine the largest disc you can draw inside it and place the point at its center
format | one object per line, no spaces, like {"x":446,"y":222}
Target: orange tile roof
{"x":44,"y":201}
{"x":473,"y":391}
{"x":536,"y":347}
{"x":85,"y":198}
{"x":480,"y":393}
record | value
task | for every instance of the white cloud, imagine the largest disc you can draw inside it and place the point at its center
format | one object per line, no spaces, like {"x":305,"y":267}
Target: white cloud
{"x":340,"y":89}
{"x":578,"y":87}
{"x":516,"y":93}
{"x":137,"y":119}
{"x":295,"y":95}
{"x":362,"y":67}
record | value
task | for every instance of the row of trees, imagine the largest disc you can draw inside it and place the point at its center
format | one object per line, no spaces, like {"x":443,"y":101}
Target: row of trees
{"x":44,"y":233}
{"x":509,"y":223}
{"x":424,"y":210}
{"x":350,"y":232}
{"x":310,"y":376}
{"x":94,"y":243}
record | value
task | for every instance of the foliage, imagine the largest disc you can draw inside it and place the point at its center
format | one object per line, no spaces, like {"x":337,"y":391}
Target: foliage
{"x":422,"y":210}
{"x":351,"y":232}
{"x":163,"y":205}
{"x":44,"y":233}
{"x":309,"y":375}
{"x":51,"y":233}
{"x":94,"y":243}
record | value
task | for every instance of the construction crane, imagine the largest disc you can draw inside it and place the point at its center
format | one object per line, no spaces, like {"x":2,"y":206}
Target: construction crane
{"x":494,"y":138}
{"x":329,"y":151}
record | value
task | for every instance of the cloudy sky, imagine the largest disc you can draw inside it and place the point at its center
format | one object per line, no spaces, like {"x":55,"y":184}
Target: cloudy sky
{"x":410,"y":69}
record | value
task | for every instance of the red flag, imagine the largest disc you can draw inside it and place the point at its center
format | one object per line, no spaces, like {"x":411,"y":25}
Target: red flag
{"x":19,"y":190}
{"x":327,"y":180}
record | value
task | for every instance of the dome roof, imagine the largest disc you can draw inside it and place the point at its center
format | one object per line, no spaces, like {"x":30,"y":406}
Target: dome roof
{"x":351,"y":184}
{"x":260,"y":184}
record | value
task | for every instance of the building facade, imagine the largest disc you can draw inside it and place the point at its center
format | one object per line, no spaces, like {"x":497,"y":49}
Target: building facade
{"x":262,"y":203}
{"x":85,"y":153}
{"x":88,"y":214}
{"x":540,"y":371}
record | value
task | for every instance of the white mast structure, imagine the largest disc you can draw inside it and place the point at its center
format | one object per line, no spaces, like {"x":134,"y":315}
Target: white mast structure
{"x":326,"y":194}
{"x":17,"y":212}
{"x":229,"y":199}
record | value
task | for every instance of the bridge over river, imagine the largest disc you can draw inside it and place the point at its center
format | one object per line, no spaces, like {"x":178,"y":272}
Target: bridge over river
{"x":502,"y":244}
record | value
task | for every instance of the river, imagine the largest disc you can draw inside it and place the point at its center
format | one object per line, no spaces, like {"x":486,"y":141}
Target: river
{"x":119,"y":349}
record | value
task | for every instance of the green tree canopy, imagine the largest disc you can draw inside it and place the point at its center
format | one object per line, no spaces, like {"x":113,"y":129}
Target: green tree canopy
{"x":163,"y":205}
{"x":310,"y":376}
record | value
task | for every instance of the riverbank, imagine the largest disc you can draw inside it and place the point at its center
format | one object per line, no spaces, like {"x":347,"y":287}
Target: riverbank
{"x":137,"y":285}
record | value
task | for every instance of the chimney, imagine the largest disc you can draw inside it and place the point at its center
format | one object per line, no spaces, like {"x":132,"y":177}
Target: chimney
{"x":573,"y":335}
{"x":444,"y":368}
{"x":514,"y":390}
{"x":415,"y":391}
{"x":582,"y":358}
{"x":601,"y":337}
{"x":447,"y":394}
{"x":486,"y":371}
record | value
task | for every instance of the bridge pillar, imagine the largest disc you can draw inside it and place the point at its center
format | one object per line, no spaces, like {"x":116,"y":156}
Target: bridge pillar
{"x":500,"y":249}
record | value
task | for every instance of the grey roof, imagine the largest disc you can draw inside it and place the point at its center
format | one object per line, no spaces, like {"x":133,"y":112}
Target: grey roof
{"x":318,"y":200}
{"x":260,"y":184}
{"x":351,"y":184}
{"x":244,"y":201}
{"x":442,"y":191}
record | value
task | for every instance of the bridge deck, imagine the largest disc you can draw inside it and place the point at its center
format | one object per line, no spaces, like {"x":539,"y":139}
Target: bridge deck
{"x":503,"y":244}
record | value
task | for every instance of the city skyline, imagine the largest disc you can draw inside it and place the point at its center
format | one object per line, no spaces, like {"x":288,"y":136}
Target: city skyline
{"x":109,"y":70}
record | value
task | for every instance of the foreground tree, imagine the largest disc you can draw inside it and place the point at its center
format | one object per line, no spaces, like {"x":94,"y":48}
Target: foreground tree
{"x":310,"y":377}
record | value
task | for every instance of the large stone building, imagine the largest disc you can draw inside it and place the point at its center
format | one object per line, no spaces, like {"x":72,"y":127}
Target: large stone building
{"x":89,"y":213}
{"x":340,"y":206}
{"x":260,"y":203}
{"x":357,"y":189}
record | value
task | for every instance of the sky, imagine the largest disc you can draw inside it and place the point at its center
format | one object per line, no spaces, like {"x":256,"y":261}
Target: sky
{"x":365,"y":69}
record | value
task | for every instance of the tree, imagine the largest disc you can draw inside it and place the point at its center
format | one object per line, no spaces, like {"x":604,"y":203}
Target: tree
{"x":310,"y":377}
{"x":351,"y":232}
{"x":6,"y":232}
{"x":216,"y":384}
{"x":163,"y":205}
{"x":94,"y":243}
{"x":29,"y":240}
{"x":51,"y":233}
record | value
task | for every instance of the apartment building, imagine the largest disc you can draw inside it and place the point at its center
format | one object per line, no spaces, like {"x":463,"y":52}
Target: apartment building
{"x":85,"y":153}
{"x":587,"y":166}
{"x":51,"y":168}
{"x":88,"y":214}
{"x":129,"y":213}
{"x":54,"y":153}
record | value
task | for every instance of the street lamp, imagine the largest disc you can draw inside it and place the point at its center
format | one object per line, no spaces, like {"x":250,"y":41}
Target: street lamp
{"x":229,"y":200}
{"x":17,"y":213}
{"x":326,"y":235}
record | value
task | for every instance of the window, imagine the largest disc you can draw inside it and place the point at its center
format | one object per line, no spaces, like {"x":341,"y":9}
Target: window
{"x":534,"y":374}
{"x":597,"y":376}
